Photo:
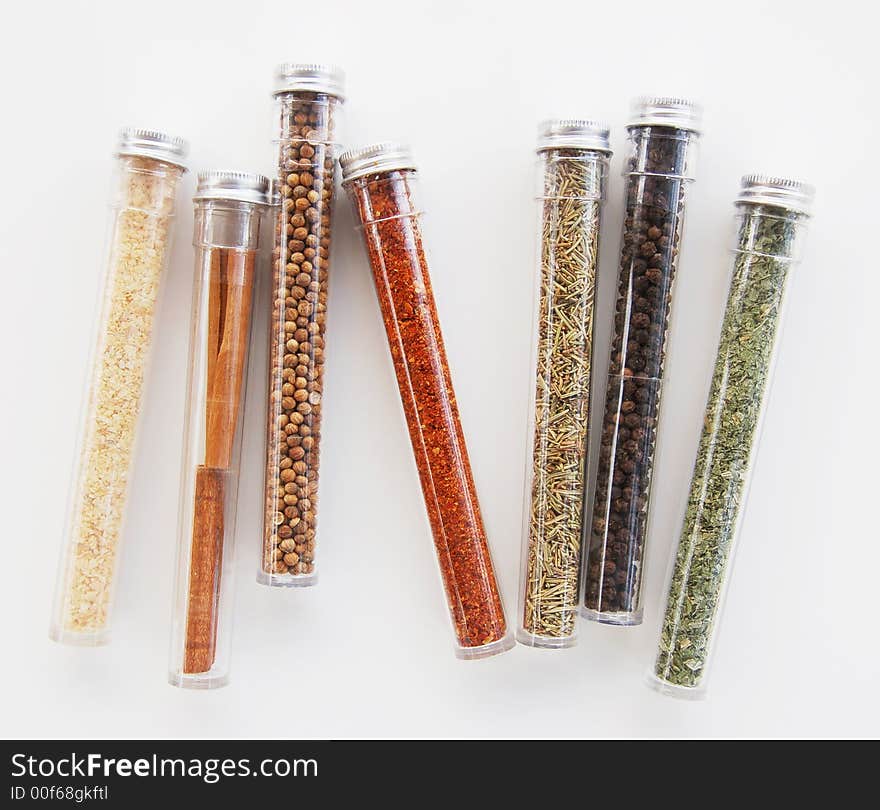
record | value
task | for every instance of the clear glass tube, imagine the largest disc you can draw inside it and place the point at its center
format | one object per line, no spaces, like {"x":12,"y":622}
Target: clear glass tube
{"x":143,"y":206}
{"x":768,"y":245}
{"x":392,"y":226}
{"x":570,"y":199}
{"x":227,"y":234}
{"x":658,"y":171}
{"x":306,"y":122}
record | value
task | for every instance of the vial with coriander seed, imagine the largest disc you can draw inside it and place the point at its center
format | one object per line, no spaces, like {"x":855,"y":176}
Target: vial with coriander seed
{"x":308,"y":98}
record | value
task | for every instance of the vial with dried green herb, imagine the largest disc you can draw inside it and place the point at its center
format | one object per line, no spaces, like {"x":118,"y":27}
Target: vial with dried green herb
{"x":771,"y":215}
{"x":658,"y":170}
{"x":574,"y":156}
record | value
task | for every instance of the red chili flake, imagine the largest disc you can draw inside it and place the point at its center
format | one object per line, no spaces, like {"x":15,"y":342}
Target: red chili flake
{"x":392,"y":228}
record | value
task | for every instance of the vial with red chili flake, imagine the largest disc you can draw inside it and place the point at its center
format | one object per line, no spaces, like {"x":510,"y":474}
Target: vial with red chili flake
{"x":659,"y":169}
{"x":307,"y":99}
{"x":380,"y":181}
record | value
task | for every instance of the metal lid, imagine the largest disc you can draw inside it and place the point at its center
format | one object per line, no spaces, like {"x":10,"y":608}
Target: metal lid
{"x":292,"y":76}
{"x":573,"y":133}
{"x":223,"y":184}
{"x":152,"y":144}
{"x":764,"y":189}
{"x":378,"y":157}
{"x":665,"y":111}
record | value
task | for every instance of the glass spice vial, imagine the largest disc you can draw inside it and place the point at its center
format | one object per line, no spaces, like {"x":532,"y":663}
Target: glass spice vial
{"x":659,"y":168}
{"x":771,"y":215}
{"x":574,"y":157}
{"x":307,"y":98}
{"x":148,"y":170}
{"x":381,"y":180}
{"x":229,"y":211}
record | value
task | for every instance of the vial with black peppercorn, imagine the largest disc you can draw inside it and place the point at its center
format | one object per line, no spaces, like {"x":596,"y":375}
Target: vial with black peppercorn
{"x":659,"y":168}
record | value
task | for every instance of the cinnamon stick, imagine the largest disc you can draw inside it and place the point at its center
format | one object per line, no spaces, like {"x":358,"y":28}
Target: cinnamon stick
{"x":230,"y":292}
{"x":206,"y":559}
{"x":224,"y":385}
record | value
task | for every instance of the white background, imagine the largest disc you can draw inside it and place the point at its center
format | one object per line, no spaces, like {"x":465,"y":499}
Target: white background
{"x":787,"y":88}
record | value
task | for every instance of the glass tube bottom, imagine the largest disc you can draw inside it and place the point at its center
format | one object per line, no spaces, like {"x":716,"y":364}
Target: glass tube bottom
{"x":92,"y":638}
{"x":618,"y":618}
{"x":287,"y":580}
{"x":672,"y":690}
{"x":485,"y":650}
{"x":528,"y":639}
{"x":201,"y":680}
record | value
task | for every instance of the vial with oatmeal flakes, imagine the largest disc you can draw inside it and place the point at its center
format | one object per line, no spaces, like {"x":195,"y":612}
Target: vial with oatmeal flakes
{"x":148,"y":172}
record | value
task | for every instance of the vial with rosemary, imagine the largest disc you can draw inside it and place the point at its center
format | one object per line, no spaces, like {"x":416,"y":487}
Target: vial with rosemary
{"x":659,"y":168}
{"x":574,"y":157}
{"x":148,"y":172}
{"x":771,"y":215}
{"x":307,"y":99}
{"x":229,"y":210}
{"x":381,"y":181}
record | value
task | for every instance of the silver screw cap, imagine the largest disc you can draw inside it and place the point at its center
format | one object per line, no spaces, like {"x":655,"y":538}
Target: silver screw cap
{"x":665,"y":111}
{"x":765,"y":189}
{"x":150,"y":143}
{"x":311,"y":78}
{"x":225,"y":184}
{"x":378,"y":157}
{"x":573,"y":133}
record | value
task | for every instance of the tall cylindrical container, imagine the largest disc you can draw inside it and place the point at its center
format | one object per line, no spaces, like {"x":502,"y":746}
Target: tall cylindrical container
{"x":658,"y":170}
{"x":771,"y":216}
{"x":229,"y":209}
{"x":574,"y":157}
{"x":307,"y":100}
{"x":149,"y":168}
{"x":381,"y":181}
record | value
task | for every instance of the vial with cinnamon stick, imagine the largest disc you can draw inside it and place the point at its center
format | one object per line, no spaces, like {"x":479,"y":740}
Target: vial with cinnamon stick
{"x":229,"y":211}
{"x":381,"y":181}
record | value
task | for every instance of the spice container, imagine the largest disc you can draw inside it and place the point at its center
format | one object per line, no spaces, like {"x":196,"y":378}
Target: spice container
{"x":381,"y":182}
{"x":149,"y":168}
{"x":658,"y":171}
{"x":574,"y":157}
{"x":229,"y":207}
{"x":307,"y":98}
{"x":771,"y":216}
